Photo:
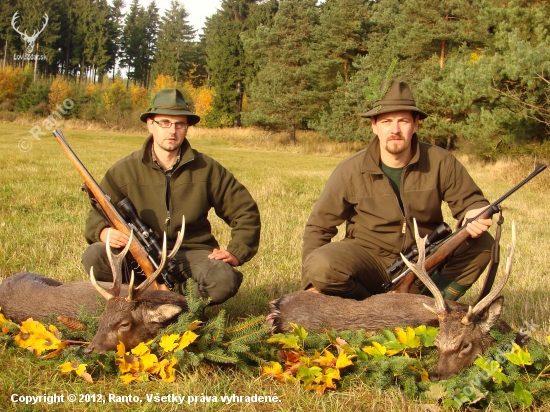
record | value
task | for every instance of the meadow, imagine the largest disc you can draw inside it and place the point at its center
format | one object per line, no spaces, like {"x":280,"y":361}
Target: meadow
{"x":42,"y":215}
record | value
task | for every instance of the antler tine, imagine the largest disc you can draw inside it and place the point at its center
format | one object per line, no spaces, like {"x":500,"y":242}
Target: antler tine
{"x":103,"y":292}
{"x":133,"y":293}
{"x":13,"y":20}
{"x":179,"y":240}
{"x":483,"y":303}
{"x":116,"y":261}
{"x":420,"y":271}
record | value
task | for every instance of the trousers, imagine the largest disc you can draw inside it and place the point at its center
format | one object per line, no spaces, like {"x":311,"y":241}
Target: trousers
{"x":213,"y":279}
{"x":347,"y":269}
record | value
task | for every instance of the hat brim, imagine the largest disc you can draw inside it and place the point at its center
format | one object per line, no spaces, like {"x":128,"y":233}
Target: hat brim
{"x":192,"y":119}
{"x":388,"y":109}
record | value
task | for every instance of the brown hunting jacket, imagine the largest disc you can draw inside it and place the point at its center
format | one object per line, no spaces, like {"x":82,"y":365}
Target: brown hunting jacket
{"x":360,"y":194}
{"x":197,"y":184}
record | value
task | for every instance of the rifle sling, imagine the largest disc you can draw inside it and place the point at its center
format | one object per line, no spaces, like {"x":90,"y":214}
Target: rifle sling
{"x":495,"y":260}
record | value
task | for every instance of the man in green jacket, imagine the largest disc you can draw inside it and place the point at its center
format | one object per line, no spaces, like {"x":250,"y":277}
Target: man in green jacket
{"x":167,"y":180}
{"x":378,"y":192}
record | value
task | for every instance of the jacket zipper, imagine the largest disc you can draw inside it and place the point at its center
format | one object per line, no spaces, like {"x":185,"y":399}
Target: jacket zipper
{"x":168,"y":198}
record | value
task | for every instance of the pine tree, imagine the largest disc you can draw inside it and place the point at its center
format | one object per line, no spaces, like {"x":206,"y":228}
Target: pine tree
{"x":285,"y":93}
{"x":175,"y":43}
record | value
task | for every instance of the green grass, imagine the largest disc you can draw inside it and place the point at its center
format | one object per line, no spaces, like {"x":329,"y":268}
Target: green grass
{"x":42,"y":215}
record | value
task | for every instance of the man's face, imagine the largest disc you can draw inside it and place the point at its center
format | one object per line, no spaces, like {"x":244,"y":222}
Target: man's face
{"x":167,"y":138}
{"x":395,"y":131}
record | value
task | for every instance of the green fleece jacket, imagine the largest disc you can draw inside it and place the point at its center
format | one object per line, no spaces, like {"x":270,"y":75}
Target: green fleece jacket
{"x":198,"y":184}
{"x":359,"y":194}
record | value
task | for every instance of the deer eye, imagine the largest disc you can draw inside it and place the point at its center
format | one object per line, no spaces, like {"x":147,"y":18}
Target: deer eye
{"x":124,"y":325}
{"x":466,"y":347}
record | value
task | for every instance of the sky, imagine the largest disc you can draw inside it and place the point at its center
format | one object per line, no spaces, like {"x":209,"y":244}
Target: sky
{"x":198,"y":9}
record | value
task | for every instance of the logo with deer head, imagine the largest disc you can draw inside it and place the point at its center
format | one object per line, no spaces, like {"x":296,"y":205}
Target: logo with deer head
{"x":30,"y":41}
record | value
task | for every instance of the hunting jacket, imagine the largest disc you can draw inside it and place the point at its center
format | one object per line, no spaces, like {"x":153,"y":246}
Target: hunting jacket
{"x":360,"y":194}
{"x":197,"y":184}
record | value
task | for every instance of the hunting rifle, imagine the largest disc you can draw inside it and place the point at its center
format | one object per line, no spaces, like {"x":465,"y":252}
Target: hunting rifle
{"x":441,"y":251}
{"x":139,"y":248}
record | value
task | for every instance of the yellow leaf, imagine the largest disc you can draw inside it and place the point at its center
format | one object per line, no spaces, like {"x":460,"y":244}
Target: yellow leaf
{"x":327,"y":359}
{"x":120,"y":349}
{"x":68,"y":366}
{"x":127,"y":378}
{"x":141,"y":349}
{"x":273,"y":370}
{"x":128,"y":363}
{"x":424,"y":374}
{"x":56,"y":352}
{"x":408,"y":337}
{"x":186,"y":339}
{"x":147,"y":361}
{"x":194,"y":325}
{"x":167,"y":372}
{"x":344,"y":360}
{"x":375,"y":350}
{"x":168,"y":342}
{"x":3,"y":320}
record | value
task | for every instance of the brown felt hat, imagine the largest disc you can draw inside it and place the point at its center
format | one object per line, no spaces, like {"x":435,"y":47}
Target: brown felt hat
{"x":398,"y":97}
{"x":171,"y":102}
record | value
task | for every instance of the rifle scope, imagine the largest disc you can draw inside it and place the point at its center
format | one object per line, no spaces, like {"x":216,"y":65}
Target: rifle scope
{"x":440,"y":232}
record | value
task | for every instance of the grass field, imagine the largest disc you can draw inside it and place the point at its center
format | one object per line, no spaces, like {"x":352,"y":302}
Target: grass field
{"x":42,"y":214}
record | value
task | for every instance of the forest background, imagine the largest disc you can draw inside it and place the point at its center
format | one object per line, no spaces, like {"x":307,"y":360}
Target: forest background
{"x":480,"y":68}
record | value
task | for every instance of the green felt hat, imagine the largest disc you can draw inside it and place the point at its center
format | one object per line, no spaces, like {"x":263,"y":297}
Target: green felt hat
{"x":398,"y":97}
{"x":171,"y":102}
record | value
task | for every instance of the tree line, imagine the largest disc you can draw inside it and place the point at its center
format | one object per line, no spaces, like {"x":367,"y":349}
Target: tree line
{"x":480,"y":68}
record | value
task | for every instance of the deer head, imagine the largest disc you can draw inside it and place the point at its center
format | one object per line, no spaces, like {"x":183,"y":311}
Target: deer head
{"x":139,"y":316}
{"x":30,"y":41}
{"x":462,"y":335}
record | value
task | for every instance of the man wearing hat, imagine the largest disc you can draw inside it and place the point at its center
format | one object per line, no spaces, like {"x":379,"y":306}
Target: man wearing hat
{"x":377,"y":193}
{"x":167,"y":180}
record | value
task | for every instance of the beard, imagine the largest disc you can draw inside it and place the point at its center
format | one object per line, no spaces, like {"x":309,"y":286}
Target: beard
{"x":394,"y":146}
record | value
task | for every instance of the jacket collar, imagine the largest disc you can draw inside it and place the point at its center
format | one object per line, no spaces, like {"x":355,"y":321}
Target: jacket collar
{"x":371,"y":162}
{"x":186,"y":154}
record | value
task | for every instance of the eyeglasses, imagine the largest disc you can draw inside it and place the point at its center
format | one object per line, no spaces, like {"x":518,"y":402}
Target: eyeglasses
{"x":165,"y":124}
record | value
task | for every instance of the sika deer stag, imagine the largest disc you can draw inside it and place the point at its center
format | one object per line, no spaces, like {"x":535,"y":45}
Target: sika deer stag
{"x":132,"y":319}
{"x":463,"y":333}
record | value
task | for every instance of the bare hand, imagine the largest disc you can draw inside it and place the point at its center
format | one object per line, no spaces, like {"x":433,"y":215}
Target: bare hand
{"x":117,"y":240}
{"x":476,"y":228}
{"x":227,"y":257}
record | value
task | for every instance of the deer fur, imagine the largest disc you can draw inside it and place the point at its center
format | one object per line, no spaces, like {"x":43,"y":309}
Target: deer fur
{"x":132,"y":314}
{"x":463,"y":330}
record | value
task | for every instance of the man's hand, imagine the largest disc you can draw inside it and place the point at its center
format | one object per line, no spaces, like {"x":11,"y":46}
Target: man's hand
{"x":476,"y":228}
{"x":227,"y":257}
{"x":117,"y":240}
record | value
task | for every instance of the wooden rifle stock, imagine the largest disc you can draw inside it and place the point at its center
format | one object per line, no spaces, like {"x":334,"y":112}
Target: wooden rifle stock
{"x":117,"y":221}
{"x":441,"y":252}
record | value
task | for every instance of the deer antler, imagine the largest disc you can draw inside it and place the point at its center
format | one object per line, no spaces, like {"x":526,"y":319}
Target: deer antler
{"x":116,"y":267}
{"x":133,"y":293}
{"x":37,"y":32}
{"x":483,"y":303}
{"x":13,"y":19}
{"x":419,"y":270}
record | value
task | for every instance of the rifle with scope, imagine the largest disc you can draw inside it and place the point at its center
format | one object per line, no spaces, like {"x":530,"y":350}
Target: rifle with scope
{"x":439,"y":252}
{"x":145,"y":248}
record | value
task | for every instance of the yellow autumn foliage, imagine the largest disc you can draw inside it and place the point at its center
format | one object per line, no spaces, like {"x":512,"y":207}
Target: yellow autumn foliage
{"x":11,"y":81}
{"x":60,"y":90}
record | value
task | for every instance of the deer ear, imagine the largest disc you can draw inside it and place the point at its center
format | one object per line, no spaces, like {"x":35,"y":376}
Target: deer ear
{"x":491,"y":314}
{"x":162,"y":313}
